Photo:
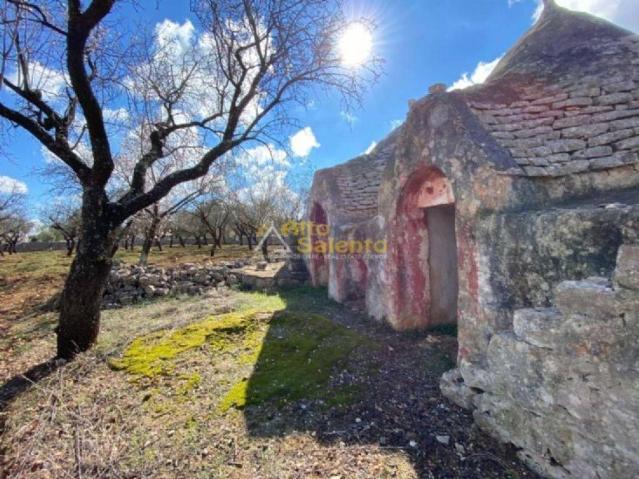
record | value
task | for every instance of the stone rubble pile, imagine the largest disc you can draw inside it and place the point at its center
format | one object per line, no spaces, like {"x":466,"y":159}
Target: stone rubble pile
{"x":130,"y":283}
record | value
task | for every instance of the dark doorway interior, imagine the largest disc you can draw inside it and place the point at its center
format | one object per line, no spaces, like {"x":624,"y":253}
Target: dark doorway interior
{"x":442,"y":260}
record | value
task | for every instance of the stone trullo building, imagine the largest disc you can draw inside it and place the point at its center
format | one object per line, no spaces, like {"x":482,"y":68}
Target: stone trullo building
{"x":512,"y":209}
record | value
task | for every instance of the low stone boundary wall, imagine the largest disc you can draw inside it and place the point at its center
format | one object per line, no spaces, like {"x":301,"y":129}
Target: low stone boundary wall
{"x":130,"y":283}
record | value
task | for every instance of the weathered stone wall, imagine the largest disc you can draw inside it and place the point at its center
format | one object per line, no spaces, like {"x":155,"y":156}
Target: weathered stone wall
{"x":563,"y":382}
{"x":530,"y":252}
{"x":131,"y":283}
{"x":577,"y":123}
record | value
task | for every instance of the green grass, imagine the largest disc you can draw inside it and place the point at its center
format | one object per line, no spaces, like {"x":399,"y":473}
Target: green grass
{"x":295,"y":361}
{"x":153,"y":354}
{"x":289,"y":355}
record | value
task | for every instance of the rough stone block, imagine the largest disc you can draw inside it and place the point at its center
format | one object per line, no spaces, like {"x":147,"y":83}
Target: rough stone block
{"x":582,"y":101}
{"x":537,"y":326}
{"x":608,"y":138}
{"x":627,"y":272}
{"x":453,"y":387}
{"x":594,"y":298}
{"x":615,"y":115}
{"x":536,"y":171}
{"x":624,"y":86}
{"x":594,"y":152}
{"x":541,"y":151}
{"x":572,"y":121}
{"x":625,"y":123}
{"x":628,"y":144}
{"x":585,"y":131}
{"x":532,"y":132}
{"x":614,"y":99}
{"x":558,"y":158}
{"x":550,"y":99}
{"x":563,"y":146}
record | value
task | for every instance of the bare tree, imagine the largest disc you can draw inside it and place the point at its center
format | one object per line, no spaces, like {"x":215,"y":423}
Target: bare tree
{"x":214,"y":215}
{"x":65,"y":219}
{"x":13,"y":230}
{"x":11,"y":203}
{"x":254,"y":59}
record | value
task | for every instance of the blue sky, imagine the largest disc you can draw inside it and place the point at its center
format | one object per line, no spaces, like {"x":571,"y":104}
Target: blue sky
{"x":422,"y":41}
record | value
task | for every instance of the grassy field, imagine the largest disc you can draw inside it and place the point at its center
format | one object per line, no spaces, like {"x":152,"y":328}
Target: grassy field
{"x":231,"y":384}
{"x":28,"y":279}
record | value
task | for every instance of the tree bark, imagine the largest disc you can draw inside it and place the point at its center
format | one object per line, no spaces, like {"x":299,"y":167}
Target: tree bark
{"x":84,"y":287}
{"x":149,"y":235}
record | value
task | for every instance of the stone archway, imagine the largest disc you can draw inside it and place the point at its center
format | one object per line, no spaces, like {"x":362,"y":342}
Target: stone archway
{"x":426,"y":283}
{"x":319,"y":265}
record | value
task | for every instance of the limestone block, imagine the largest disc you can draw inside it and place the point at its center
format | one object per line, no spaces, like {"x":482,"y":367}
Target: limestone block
{"x":576,"y":297}
{"x":614,"y":99}
{"x":585,"y":131}
{"x":562,"y":146}
{"x":608,"y":138}
{"x":627,"y":272}
{"x":537,"y":326}
{"x":594,"y":152}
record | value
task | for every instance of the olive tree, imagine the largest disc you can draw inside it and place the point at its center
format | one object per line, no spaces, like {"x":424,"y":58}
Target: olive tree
{"x":232,"y":85}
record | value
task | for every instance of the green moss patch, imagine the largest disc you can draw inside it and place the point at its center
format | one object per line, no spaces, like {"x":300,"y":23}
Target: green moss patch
{"x":154,"y":354}
{"x":294,"y":361}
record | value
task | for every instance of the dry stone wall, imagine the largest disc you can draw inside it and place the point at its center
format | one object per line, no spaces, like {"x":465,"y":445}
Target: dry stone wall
{"x":131,"y":283}
{"x":563,"y":383}
{"x":576,"y":126}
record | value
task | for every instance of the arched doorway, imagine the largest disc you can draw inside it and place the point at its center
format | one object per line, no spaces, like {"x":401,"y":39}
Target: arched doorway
{"x":318,"y":260}
{"x":426,"y":252}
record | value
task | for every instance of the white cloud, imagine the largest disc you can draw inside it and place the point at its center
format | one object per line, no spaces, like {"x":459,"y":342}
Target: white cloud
{"x":479,"y":75}
{"x":117,"y":115}
{"x":348,"y":117}
{"x":11,"y":185}
{"x":177,"y":36}
{"x":263,"y":155}
{"x":621,"y":12}
{"x":370,"y":148}
{"x":303,"y":142}
{"x":49,"y":82}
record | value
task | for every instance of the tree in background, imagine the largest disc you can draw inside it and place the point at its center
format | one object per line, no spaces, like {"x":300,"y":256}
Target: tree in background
{"x":65,"y":219}
{"x":214,"y":215}
{"x":69,"y":74}
{"x":12,"y":231}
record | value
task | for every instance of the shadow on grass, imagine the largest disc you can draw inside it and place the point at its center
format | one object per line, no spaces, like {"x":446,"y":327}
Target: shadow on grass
{"x":347,"y":380}
{"x":24,"y":381}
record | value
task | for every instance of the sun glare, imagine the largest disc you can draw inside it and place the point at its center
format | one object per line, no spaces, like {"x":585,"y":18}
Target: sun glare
{"x":355,"y":45}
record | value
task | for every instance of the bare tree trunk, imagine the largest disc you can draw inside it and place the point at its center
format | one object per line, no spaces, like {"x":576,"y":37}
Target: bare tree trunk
{"x":149,"y":235}
{"x":70,"y":246}
{"x":171,"y":241}
{"x":250,"y":241}
{"x":132,"y":244}
{"x":84,"y":287}
{"x":265,"y":250}
{"x":181,"y":240}
{"x":158,"y":243}
{"x":198,"y":242}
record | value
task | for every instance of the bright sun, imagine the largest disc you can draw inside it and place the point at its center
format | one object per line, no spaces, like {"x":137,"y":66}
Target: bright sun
{"x":355,"y":45}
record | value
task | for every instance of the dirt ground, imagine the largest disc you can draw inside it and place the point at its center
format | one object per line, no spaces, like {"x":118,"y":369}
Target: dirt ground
{"x":239,"y":385}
